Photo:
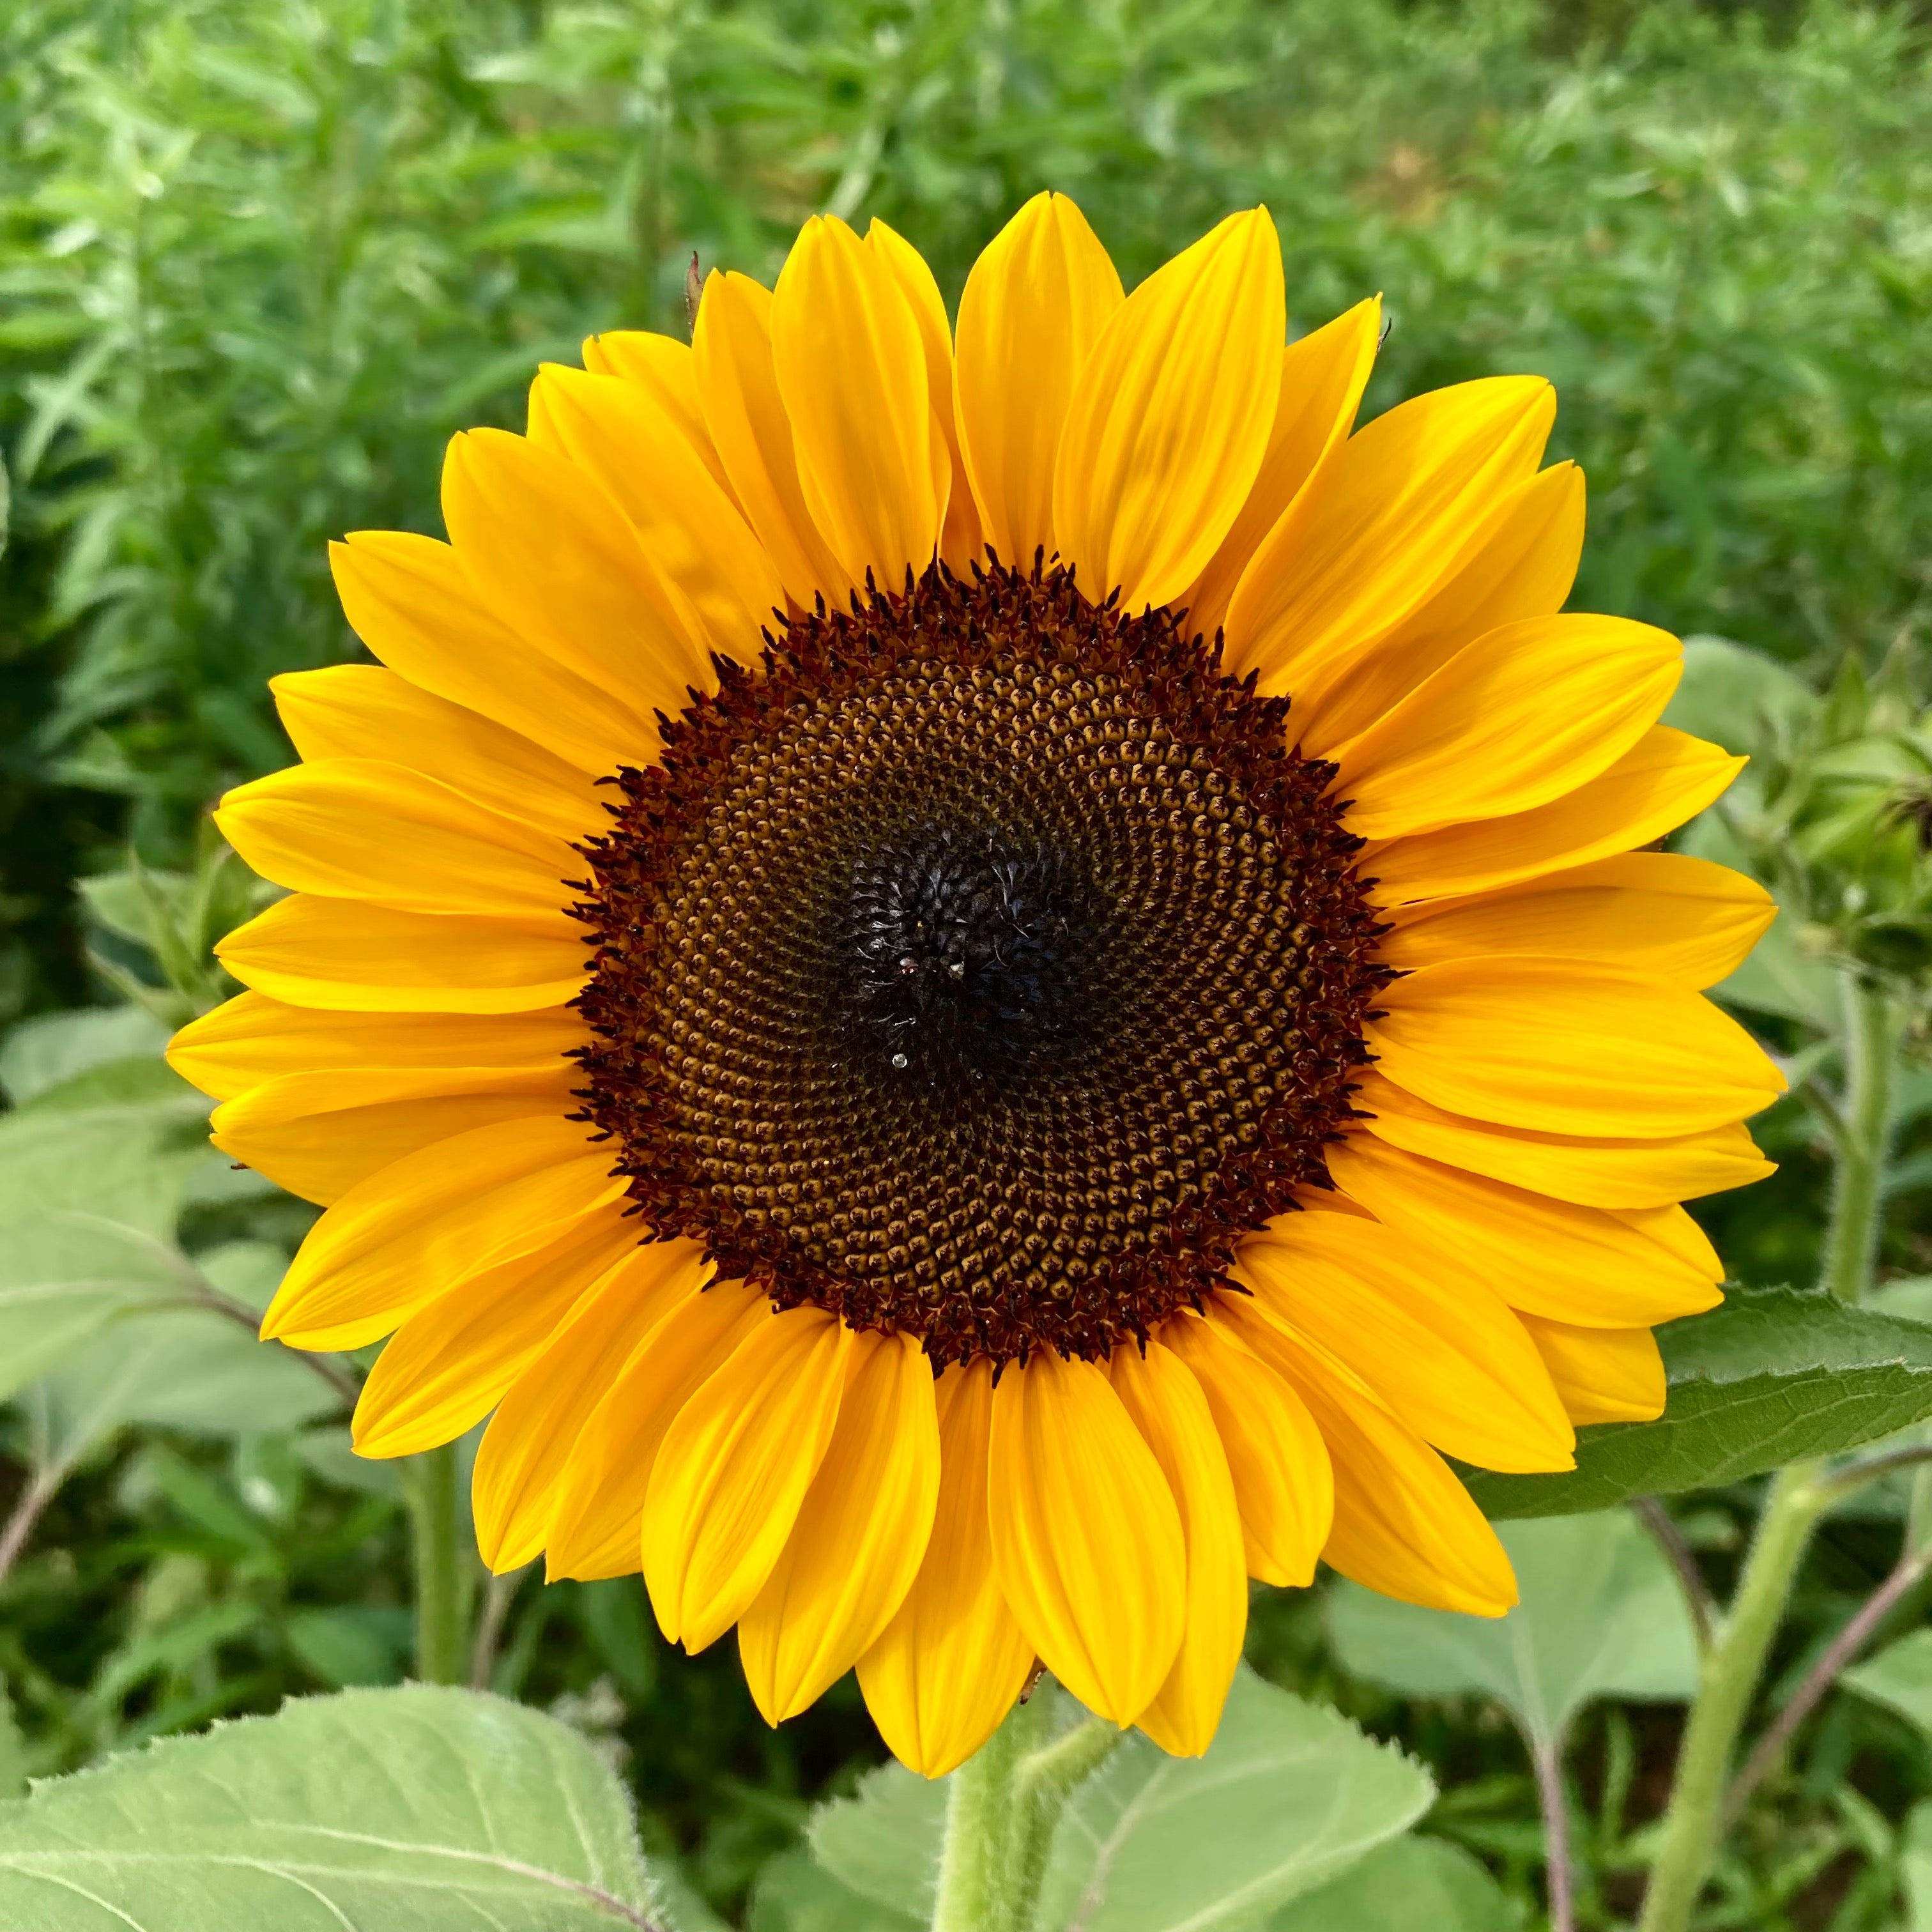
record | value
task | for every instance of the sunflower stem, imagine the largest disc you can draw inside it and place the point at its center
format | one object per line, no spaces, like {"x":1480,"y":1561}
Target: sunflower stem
{"x":1799,"y":1496}
{"x":1870,"y":1043}
{"x":976,"y":1891}
{"x":1046,"y":1779}
{"x":442,"y":1586}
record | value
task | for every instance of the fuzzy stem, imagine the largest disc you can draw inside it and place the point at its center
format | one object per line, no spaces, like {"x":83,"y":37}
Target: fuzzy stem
{"x":1047,"y":1779}
{"x":1558,"y":1883}
{"x":1869,"y":1041}
{"x":443,"y":1593}
{"x":975,"y":1873}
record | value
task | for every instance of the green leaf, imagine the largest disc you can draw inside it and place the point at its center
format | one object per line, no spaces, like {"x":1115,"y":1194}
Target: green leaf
{"x":1900,"y":1677}
{"x":1736,"y":696}
{"x":13,"y":1749}
{"x":795,"y":1894}
{"x":1601,"y":1615}
{"x":132,"y":1160}
{"x":1289,"y":1797}
{"x":42,"y":1052}
{"x":1409,"y":1885}
{"x":353,"y":1644}
{"x":1773,"y":1375}
{"x":883,"y":1841}
{"x":63,"y":1277}
{"x":419,"y":1810}
{"x":1915,"y":1860}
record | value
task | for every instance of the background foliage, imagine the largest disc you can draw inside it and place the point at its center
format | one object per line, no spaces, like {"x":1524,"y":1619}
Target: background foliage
{"x":256,"y":262}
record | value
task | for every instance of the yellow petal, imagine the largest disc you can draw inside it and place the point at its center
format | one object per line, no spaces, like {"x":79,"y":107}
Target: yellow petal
{"x":722,"y":586}
{"x":1516,"y":719}
{"x":252,"y":1038}
{"x":1543,"y":1257}
{"x":860,"y":1536}
{"x":1282,"y":1480}
{"x":1682,"y":919}
{"x":1520,"y":562}
{"x":738,"y":388}
{"x":666,"y":370}
{"x":733,"y":1471}
{"x":357,"y":829}
{"x":543,"y":544}
{"x":1171,"y":417}
{"x":960,"y":540}
{"x":318,"y":1134}
{"x":531,"y":1445}
{"x":1593,"y":1171}
{"x":945,"y":1670}
{"x":1403,"y":1524}
{"x":1563,"y":1046}
{"x":433,"y":1219}
{"x":1322,"y":378}
{"x":341,"y":955}
{"x":449,"y":1364}
{"x":1034,"y":305}
{"x":408,"y":599}
{"x":1167,"y":1407}
{"x":1086,"y":1534}
{"x":599,"y":1504}
{"x":1674,"y":1230}
{"x":1440,"y":1349}
{"x":1395,"y":508}
{"x":1664,"y":778}
{"x":1603,"y":1375}
{"x":363,"y":711}
{"x":851,"y":371}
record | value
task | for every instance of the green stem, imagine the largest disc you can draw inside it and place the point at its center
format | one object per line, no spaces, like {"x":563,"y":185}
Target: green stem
{"x":442,"y":1580}
{"x":1870,"y":1041}
{"x":1725,"y":1688}
{"x":1047,"y":1779}
{"x":975,"y":1888}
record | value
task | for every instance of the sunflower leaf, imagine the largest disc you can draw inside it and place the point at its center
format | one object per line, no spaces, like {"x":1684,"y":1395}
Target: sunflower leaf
{"x":1410,"y":1882}
{"x":1773,"y":1375}
{"x":1601,"y":1616}
{"x":882,"y":1843}
{"x":1289,"y":1796}
{"x":419,"y":1810}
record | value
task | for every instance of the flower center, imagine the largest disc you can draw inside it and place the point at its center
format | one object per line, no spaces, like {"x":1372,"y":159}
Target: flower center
{"x":984,"y":966}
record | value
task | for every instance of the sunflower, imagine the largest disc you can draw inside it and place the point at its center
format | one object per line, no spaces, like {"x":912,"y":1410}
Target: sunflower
{"x":980,"y":983}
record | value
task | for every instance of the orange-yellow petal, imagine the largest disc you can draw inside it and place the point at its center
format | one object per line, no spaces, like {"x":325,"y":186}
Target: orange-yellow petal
{"x":1603,"y":1375}
{"x":961,"y":539}
{"x":1159,"y":1392}
{"x":532,"y":1444}
{"x":543,"y":544}
{"x":1664,"y":778}
{"x":860,"y":1535}
{"x":432,"y":1219}
{"x":1086,"y":1534}
{"x":722,"y":586}
{"x":738,"y":388}
{"x":449,"y":1364}
{"x":872,"y":467}
{"x":1395,"y":507}
{"x":1516,"y":719}
{"x":598,"y":1507}
{"x":1442,"y":1350}
{"x":1283,"y":1484}
{"x":945,"y":1670}
{"x":1566,"y":1046}
{"x":408,"y":599}
{"x":318,"y":1134}
{"x":251,"y":1039}
{"x":1403,"y":1524}
{"x":732,"y":1472}
{"x":357,"y":829}
{"x":1322,"y":378}
{"x":666,"y":370}
{"x":1542,"y":1256}
{"x":1596,"y":1172}
{"x":1682,"y":919}
{"x":366,"y":711}
{"x":1034,"y":305}
{"x":341,"y":955}
{"x":1171,"y":417}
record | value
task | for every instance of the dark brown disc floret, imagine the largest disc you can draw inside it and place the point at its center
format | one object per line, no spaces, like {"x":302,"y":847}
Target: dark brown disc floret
{"x":984,"y":965}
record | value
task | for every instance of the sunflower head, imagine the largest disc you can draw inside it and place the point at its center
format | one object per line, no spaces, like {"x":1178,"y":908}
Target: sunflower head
{"x":981,"y":981}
